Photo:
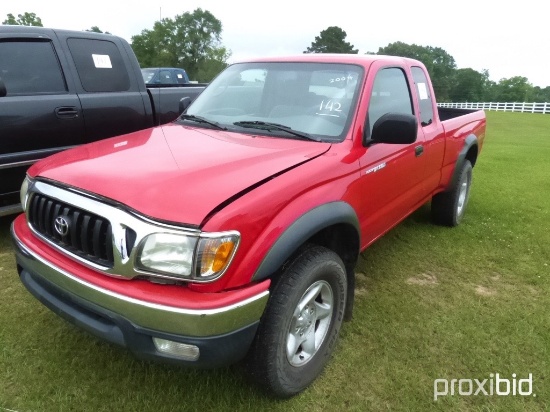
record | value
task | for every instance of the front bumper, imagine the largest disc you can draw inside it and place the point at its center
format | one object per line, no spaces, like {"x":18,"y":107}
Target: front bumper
{"x":222,"y":333}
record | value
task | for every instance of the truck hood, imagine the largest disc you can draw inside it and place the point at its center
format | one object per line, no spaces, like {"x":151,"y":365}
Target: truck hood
{"x":176,"y":173}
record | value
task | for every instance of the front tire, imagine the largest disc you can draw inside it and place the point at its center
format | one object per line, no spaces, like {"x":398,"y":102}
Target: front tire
{"x":300,"y":327}
{"x":448,"y":208}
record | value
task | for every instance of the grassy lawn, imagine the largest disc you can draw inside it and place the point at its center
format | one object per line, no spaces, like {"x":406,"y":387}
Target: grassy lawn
{"x":432,"y":303}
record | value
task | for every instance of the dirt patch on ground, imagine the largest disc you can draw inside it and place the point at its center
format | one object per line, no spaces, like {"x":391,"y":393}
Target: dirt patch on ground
{"x":483,"y":291}
{"x":360,"y":284}
{"x":425,"y":279}
{"x":532,"y":290}
{"x":495,"y":277}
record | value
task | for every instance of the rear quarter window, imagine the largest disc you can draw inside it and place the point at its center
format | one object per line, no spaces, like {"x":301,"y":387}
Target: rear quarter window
{"x":99,"y":64}
{"x":424,"y":96}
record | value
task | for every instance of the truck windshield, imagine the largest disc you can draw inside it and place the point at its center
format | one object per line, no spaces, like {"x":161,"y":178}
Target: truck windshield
{"x":316,"y":99}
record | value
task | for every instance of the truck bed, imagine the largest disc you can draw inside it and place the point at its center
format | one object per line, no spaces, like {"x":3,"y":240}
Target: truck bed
{"x":446,"y":113}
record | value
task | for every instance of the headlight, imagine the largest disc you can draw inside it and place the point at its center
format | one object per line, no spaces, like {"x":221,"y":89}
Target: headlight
{"x":199,"y":259}
{"x":23,"y":193}
{"x":168,"y":254}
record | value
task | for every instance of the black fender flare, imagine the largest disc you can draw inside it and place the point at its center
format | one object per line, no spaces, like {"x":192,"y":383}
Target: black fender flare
{"x":301,"y":230}
{"x":469,"y":142}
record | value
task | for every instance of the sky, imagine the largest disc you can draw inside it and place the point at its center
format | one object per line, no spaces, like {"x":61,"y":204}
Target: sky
{"x":507,"y":39}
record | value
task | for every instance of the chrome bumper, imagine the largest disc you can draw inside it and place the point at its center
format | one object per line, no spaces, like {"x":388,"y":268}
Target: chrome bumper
{"x":143,"y":314}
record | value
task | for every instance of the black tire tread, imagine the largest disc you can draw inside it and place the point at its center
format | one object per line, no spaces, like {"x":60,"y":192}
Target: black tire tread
{"x":262,"y":361}
{"x":443,"y":207}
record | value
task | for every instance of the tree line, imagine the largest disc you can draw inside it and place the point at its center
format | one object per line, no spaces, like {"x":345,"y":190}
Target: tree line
{"x":450,"y":83}
{"x":192,"y":41}
{"x":466,"y":85}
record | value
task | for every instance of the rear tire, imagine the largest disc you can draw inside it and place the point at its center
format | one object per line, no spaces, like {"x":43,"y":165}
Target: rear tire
{"x":448,"y":208}
{"x":300,"y":326}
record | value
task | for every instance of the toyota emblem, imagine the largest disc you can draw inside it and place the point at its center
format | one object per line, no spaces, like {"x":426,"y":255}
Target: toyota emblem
{"x":61,"y":226}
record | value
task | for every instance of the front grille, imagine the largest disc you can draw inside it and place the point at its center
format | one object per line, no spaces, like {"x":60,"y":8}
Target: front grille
{"x":78,"y":231}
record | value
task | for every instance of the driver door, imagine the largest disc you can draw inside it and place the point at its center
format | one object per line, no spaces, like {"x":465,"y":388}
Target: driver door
{"x":391,"y":179}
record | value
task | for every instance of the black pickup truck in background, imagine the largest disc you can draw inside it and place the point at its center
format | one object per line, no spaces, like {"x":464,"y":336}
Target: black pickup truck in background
{"x":60,"y":89}
{"x":171,"y":76}
{"x":167,"y":77}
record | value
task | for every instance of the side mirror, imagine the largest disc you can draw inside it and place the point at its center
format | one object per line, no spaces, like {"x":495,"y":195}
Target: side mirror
{"x":394,"y":128}
{"x":3,"y":90}
{"x":184,"y":104}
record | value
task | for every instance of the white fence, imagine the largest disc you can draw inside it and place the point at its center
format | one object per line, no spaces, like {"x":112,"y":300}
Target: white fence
{"x":503,"y":107}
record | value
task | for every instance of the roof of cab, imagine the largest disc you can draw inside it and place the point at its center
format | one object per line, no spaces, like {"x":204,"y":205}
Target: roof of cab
{"x":360,"y":59}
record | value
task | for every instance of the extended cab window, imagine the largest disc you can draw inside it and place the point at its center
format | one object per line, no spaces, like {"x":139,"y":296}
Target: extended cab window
{"x":30,"y":67}
{"x":390,"y":93}
{"x":99,"y":65}
{"x":424,"y":96}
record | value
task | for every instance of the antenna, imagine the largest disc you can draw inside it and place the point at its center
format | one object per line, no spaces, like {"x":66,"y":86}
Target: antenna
{"x":158,"y":90}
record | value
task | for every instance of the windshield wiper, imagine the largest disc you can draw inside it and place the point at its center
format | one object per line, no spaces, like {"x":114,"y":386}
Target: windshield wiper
{"x":256,"y":124}
{"x":199,"y":119}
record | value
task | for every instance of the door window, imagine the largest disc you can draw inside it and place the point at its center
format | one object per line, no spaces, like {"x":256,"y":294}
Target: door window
{"x":30,"y":68}
{"x":166,"y":77}
{"x":390,"y":93}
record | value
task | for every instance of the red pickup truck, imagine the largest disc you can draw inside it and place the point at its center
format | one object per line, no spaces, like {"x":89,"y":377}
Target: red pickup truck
{"x":233,"y":232}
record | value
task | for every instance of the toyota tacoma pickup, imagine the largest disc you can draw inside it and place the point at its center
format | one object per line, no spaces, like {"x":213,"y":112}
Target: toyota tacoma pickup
{"x":61,"y":88}
{"x":232,"y":233}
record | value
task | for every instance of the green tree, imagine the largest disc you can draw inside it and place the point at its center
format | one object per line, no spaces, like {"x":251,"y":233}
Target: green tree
{"x":190,"y":40}
{"x":514,"y":89}
{"x":214,"y":63}
{"x":541,"y":95}
{"x":490,"y":91}
{"x":331,"y":40}
{"x":25,"y":19}
{"x":440,"y":65}
{"x":95,"y":29}
{"x":468,"y":86}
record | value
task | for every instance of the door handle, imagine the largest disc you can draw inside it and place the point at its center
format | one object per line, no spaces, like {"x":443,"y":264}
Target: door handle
{"x":66,"y":112}
{"x":418,"y":150}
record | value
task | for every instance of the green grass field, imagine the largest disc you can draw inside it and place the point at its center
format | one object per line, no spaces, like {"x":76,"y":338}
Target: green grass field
{"x":432,"y":303}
